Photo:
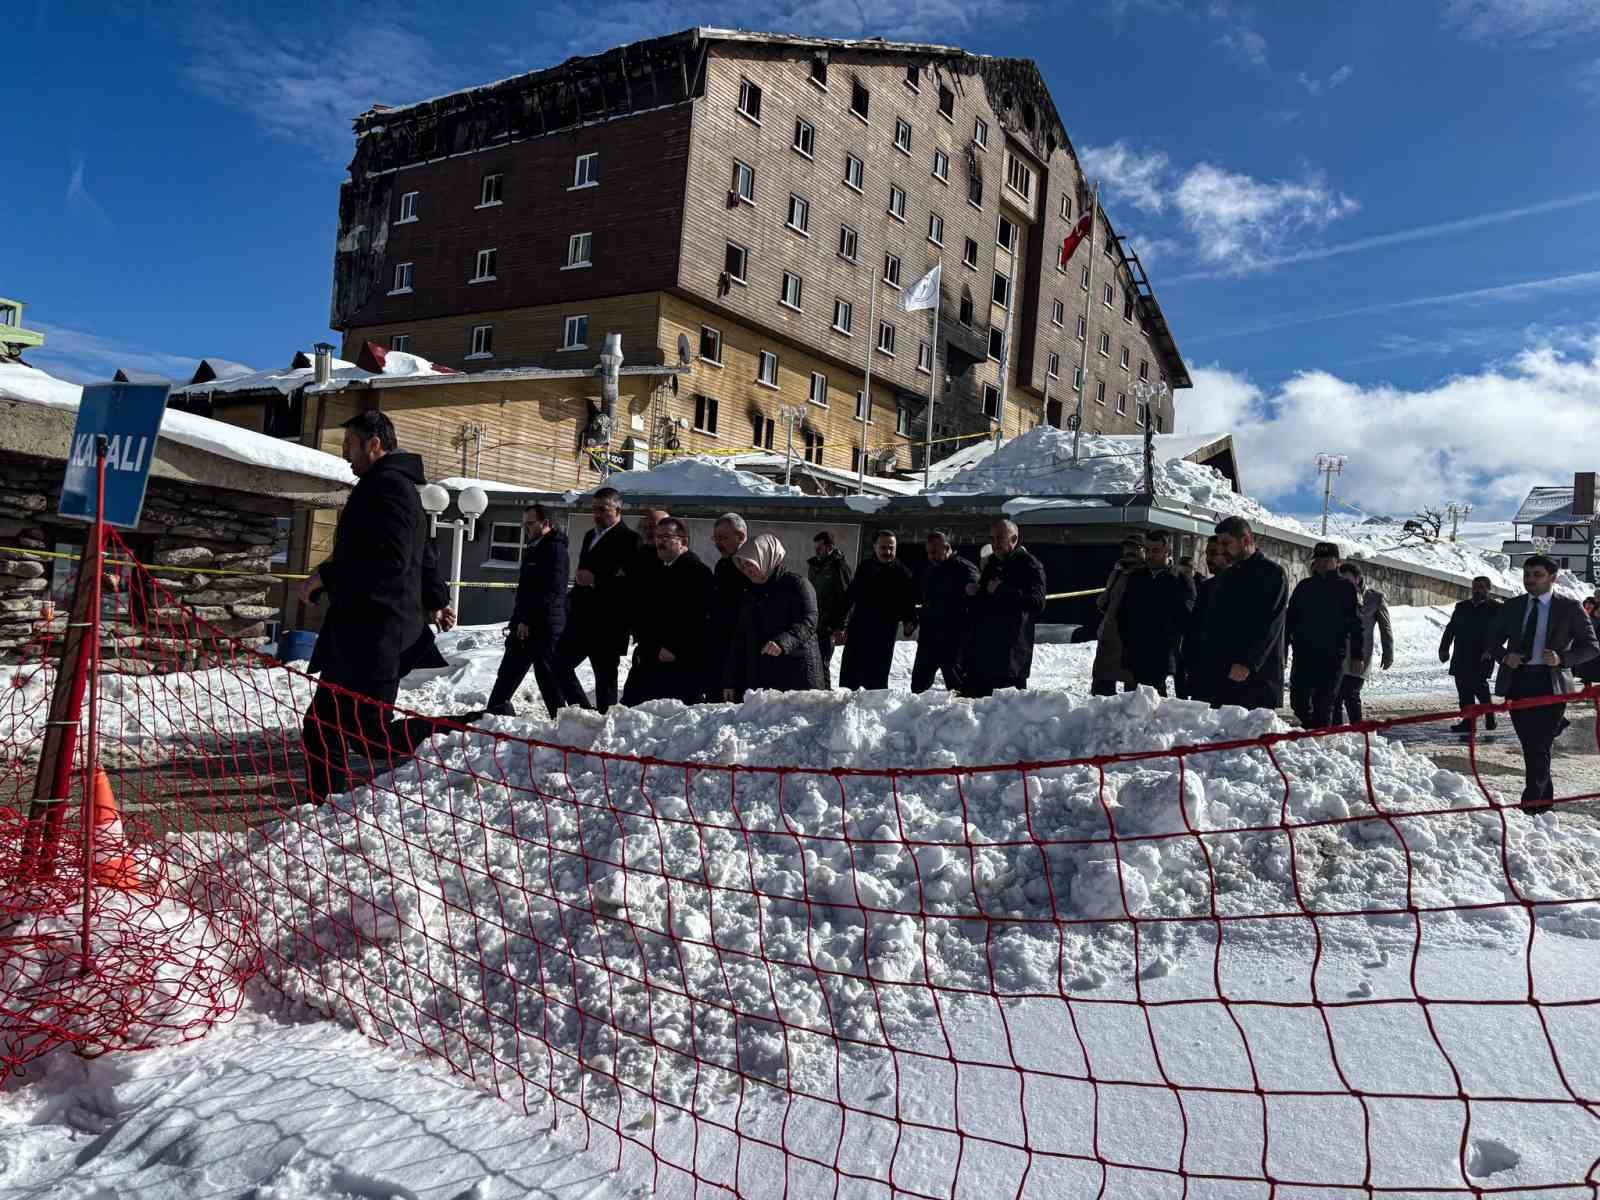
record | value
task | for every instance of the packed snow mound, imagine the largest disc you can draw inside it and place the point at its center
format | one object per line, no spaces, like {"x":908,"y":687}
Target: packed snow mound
{"x":696,"y":477}
{"x":1039,"y":463}
{"x":623,"y":912}
{"x":1364,"y":539}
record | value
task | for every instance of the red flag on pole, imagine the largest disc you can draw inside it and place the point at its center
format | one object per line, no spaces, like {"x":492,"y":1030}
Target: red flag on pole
{"x":1079,"y":232}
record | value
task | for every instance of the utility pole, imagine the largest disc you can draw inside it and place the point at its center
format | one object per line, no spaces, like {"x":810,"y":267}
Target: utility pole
{"x":1457,"y":511}
{"x":790,"y":415}
{"x":1328,"y":465}
{"x":1088,"y":309}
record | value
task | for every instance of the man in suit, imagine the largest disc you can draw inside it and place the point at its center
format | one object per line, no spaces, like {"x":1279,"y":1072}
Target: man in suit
{"x":538,"y":615}
{"x":597,"y":609}
{"x":728,"y":585}
{"x":1538,"y":639}
{"x":1245,"y":622}
{"x":881,"y":603}
{"x":1465,"y":646}
{"x":1323,"y":625}
{"x":944,"y":622}
{"x":1157,"y":605}
{"x":669,"y":659}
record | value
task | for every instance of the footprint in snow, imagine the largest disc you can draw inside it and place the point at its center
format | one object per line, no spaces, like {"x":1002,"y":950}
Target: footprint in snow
{"x":1361,"y":991}
{"x":1490,"y":1157}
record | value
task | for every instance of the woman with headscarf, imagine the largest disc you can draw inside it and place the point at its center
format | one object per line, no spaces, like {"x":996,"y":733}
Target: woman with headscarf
{"x":775,"y":643}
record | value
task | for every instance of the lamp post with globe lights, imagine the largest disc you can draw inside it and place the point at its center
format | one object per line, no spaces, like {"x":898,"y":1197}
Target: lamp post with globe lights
{"x":473,"y":503}
{"x":1149,"y":397}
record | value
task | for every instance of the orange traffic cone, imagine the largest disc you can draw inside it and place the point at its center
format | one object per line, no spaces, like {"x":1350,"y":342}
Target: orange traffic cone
{"x":112,"y":868}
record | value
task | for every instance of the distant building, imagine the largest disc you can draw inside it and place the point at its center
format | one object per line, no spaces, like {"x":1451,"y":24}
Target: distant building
{"x":754,"y":206}
{"x":14,"y":339}
{"x":1557,"y":520}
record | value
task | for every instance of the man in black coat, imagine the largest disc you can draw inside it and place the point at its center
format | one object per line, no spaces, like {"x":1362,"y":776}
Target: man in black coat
{"x":646,"y":564}
{"x":1201,"y":674}
{"x":599,"y":605}
{"x":1465,"y":646}
{"x":1323,"y":624}
{"x":1537,"y":640}
{"x":882,"y":603}
{"x":669,"y":660}
{"x":1007,"y":601}
{"x":373,"y":582}
{"x":830,"y":578}
{"x":942,"y":624}
{"x":538,"y":615}
{"x":1155,"y":611}
{"x":728,"y":586}
{"x":1243,"y":639}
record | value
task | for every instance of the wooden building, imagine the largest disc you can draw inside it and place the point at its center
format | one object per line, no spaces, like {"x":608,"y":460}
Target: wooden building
{"x":754,"y":206}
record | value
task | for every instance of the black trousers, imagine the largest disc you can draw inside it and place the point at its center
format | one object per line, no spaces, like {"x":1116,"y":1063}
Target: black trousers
{"x":1314,"y":686}
{"x":657,"y":680}
{"x":1473,"y":689}
{"x":1347,"y":704}
{"x":1102,"y":687}
{"x":1180,"y":676}
{"x":980,"y":685}
{"x":1536,"y":729}
{"x":521,"y":654}
{"x":360,"y":714}
{"x":571,"y":650}
{"x":868,"y":659}
{"x":937,"y":654}
{"x":1143,"y":678}
{"x":826,"y":647}
{"x":1254,"y":692}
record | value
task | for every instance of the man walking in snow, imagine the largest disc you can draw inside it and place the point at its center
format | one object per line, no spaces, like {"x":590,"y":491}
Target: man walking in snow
{"x":669,"y":660}
{"x":1323,"y":624}
{"x":538,"y":615}
{"x":1155,"y":609}
{"x":881,"y":605}
{"x":1465,"y":646}
{"x":1202,"y":681}
{"x":830,"y":578}
{"x":598,"y":607}
{"x":1244,"y":622}
{"x":1537,"y":640}
{"x":1008,"y":599}
{"x":943,"y":622}
{"x":728,"y":586}
{"x":1376,"y":631}
{"x":373,"y":581}
{"x":1108,"y":669}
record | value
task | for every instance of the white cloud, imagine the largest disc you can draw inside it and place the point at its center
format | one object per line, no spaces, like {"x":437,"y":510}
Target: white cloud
{"x":81,"y":201}
{"x":1541,"y":23}
{"x":1316,"y":86}
{"x":1246,"y":45}
{"x":1485,"y":438}
{"x":1589,"y":80}
{"x":1241,"y":223}
{"x":1127,"y":174}
{"x":82,"y":357}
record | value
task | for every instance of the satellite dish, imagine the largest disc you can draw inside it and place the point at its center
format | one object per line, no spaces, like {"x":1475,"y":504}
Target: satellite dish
{"x":683,"y":349}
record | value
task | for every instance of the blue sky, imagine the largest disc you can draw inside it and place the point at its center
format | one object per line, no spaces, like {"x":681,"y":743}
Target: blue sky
{"x":1374,"y":227}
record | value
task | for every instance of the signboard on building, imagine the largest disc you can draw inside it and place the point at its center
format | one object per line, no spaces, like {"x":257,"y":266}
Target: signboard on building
{"x":1593,"y":575}
{"x":128,"y":416}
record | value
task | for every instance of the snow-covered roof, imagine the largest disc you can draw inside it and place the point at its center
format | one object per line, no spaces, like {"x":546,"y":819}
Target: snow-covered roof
{"x":696,"y":477}
{"x":764,"y":463}
{"x":1168,"y":447}
{"x":286,"y":380}
{"x":1546,"y":504}
{"x":18,"y":381}
{"x":219,"y":368}
{"x":459,"y":483}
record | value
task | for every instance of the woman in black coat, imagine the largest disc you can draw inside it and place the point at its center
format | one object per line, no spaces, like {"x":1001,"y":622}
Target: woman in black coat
{"x":775,"y":644}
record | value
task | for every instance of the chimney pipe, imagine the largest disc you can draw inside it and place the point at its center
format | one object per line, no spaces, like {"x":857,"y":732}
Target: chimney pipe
{"x":324,"y":362}
{"x":1583,"y":497}
{"x":610,"y":365}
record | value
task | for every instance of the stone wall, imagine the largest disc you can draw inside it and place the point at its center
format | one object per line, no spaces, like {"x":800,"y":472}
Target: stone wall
{"x":221,"y":540}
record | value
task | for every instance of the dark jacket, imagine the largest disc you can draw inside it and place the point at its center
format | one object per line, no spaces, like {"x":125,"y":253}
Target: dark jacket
{"x":1465,"y":644}
{"x":1003,"y":620}
{"x":1245,"y":623}
{"x":728,"y":586}
{"x":541,"y":602}
{"x":782,"y":610}
{"x":946,"y":607}
{"x":599,"y":617}
{"x":641,"y":574}
{"x":830,"y":578}
{"x":1569,"y":632}
{"x":882,"y":597}
{"x":1155,"y":612}
{"x":1324,"y":619}
{"x":1196,"y":654}
{"x":673,"y":619}
{"x":424,"y":653}
{"x":373,"y":580}
{"x":1376,"y":630}
{"x":1589,"y":672}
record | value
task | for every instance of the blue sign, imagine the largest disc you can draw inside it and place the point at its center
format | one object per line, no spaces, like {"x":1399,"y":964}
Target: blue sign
{"x":128,"y":416}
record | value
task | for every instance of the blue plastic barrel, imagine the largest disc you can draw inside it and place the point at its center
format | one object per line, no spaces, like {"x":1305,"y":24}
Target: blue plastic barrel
{"x":295,"y":645}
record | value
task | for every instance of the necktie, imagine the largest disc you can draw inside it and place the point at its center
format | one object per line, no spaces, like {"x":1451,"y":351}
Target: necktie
{"x":1530,"y":628}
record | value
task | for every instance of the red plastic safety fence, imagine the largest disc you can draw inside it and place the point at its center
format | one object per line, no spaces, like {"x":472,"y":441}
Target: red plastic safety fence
{"x":1254,"y":964}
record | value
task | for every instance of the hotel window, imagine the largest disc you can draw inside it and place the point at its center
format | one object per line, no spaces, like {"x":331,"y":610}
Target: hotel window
{"x":400,"y":342}
{"x":735,"y":262}
{"x":819,"y":390}
{"x":969,"y":256}
{"x":1083,"y":279}
{"x":861,"y":408}
{"x":975,"y":190}
{"x":965,"y":316}
{"x":505,"y":541}
{"x":947,"y":103}
{"x":848,"y":243}
{"x":1066,"y":207}
{"x":936,"y":229}
{"x":805,"y":136}
{"x":991,"y":401}
{"x":1105,"y":295}
{"x":1105,"y":344}
{"x":767,"y":369}
{"x":1077,"y":379}
{"x":1124,"y":358}
{"x":580,"y":249}
{"x":1002,"y":290}
{"x":813,"y":442}
{"x":902,"y":135}
{"x":408,"y":206}
{"x":891,"y":270}
{"x":843,"y":313}
{"x":860,"y":99}
{"x":761,"y":427}
{"x":586,"y":171}
{"x":484,"y":268}
{"x":1127,"y":307}
{"x":1144,"y":368}
{"x":790,"y":296}
{"x":575,"y":333}
{"x":1019,"y":177}
{"x":705,"y":413}
{"x":1005,"y":235}
{"x":819,"y":71}
{"x":997,"y":344}
{"x":744,"y":182}
{"x":914,"y":77}
{"x":710,"y":345}
{"x":482,"y":342}
{"x":852,"y":171}
{"x":1122,"y":404}
{"x":1058,"y":312}
{"x":1083,"y":326}
{"x":902,"y":420}
{"x":402,"y":277}
{"x":1100,"y":392}
{"x":799,"y":213}
{"x":897,"y":203}
{"x":489,"y":194}
{"x":886,"y":334}
{"x":980,"y":132}
{"x":1053,"y":367}
{"x":924,"y":357}
{"x":750,"y":100}
{"x":941,"y":166}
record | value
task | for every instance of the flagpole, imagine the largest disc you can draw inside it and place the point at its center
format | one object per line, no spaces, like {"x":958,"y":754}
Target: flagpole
{"x":866,"y":386}
{"x":933,"y":383}
{"x":1088,"y":301}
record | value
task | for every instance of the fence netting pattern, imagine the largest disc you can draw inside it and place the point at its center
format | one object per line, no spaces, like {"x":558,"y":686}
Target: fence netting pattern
{"x":1059,"y":978}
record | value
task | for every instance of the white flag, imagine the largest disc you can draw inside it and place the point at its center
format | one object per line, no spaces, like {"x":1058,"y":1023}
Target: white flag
{"x":924,"y":293}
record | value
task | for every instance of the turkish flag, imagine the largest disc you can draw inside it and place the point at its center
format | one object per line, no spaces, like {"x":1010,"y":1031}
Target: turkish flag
{"x":1079,"y":232}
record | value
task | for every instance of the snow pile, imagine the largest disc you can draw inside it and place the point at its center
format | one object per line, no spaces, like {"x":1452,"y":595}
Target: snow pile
{"x":1039,"y":464}
{"x":501,"y":903}
{"x":1363,"y":539}
{"x":30,"y":384}
{"x":696,"y":477}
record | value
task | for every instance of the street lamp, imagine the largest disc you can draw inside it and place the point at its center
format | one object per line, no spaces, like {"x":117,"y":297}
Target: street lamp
{"x":791,"y":415}
{"x":1149,"y":397}
{"x":473,"y":503}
